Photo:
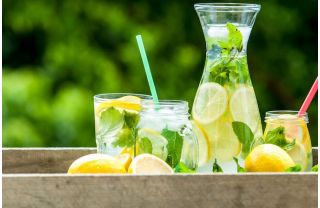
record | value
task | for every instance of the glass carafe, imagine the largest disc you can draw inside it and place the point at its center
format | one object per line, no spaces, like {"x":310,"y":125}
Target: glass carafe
{"x":225,"y":110}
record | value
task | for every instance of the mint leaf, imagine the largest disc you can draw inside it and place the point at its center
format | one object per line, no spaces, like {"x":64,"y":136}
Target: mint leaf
{"x":125,"y":138}
{"x":290,"y":145}
{"x":145,"y":145}
{"x":131,"y":118}
{"x":111,"y":120}
{"x":314,"y":168}
{"x":174,"y":146}
{"x":239,"y":168}
{"x":216,"y":168}
{"x":277,"y":137}
{"x":235,"y":37}
{"x":296,"y":168}
{"x":182,"y":168}
{"x":244,"y":134}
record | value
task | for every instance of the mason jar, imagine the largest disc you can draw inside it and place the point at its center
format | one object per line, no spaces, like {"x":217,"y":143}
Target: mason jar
{"x":164,"y":130}
{"x":295,"y":130}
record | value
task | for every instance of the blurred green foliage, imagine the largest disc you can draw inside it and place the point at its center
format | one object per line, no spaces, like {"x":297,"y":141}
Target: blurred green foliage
{"x":58,"y":54}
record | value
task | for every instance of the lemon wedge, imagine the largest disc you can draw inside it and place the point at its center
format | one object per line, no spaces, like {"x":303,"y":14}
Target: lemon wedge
{"x":149,"y":164}
{"x":96,"y":163}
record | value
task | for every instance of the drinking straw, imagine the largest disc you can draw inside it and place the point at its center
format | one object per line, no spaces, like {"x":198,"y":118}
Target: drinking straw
{"x":147,"y":69}
{"x":309,"y":98}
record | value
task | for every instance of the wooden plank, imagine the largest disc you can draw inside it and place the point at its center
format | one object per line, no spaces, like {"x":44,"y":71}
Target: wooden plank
{"x":40,"y":160}
{"x":51,"y":160}
{"x":298,"y":190}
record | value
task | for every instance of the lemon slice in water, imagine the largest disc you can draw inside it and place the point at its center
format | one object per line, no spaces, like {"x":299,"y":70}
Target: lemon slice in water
{"x":203,"y":141}
{"x":159,"y":143}
{"x":223,"y":142}
{"x":244,"y":107}
{"x":210,"y":103}
{"x":126,"y":102}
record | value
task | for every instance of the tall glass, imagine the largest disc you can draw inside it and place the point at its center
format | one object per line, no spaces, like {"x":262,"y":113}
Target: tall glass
{"x":116,"y":117}
{"x":225,"y":102}
{"x":295,"y":128}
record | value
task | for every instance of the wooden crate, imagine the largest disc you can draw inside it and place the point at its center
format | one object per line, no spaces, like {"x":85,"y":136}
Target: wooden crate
{"x":36,"y":178}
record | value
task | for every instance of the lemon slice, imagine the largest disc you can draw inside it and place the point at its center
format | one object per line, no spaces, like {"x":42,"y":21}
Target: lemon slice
{"x":223,"y":142}
{"x":126,"y":102}
{"x":159,"y":143}
{"x":293,"y":125}
{"x":299,"y":155}
{"x":210,"y":103}
{"x":96,"y":163}
{"x":130,"y":99}
{"x":203,"y":142}
{"x":149,"y":164}
{"x":244,"y":107}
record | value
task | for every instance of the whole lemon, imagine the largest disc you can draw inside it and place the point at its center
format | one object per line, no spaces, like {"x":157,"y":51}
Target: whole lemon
{"x":268,"y":158}
{"x":96,"y":163}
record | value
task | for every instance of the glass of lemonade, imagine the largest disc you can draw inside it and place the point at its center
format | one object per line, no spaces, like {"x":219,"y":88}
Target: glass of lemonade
{"x":116,"y":118}
{"x":165,"y":131}
{"x":295,"y":131}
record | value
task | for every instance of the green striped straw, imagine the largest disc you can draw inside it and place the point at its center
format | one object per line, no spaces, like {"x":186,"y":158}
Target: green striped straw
{"x":147,"y":69}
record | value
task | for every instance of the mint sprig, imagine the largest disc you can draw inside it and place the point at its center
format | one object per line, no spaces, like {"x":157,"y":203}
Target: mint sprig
{"x":245,"y":136}
{"x":277,"y":137}
{"x":216,"y":167}
{"x":227,"y":65}
{"x":174,"y":146}
{"x":183,"y":168}
{"x":126,"y":136}
{"x":296,"y":168}
{"x":239,"y":168}
{"x":111,"y":119}
{"x":145,"y":145}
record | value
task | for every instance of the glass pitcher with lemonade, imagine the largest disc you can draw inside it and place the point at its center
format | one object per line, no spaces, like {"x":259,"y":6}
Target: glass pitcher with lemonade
{"x":225,"y":102}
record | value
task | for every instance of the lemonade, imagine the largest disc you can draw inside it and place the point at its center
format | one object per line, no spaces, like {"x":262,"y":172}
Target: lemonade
{"x":225,"y":111}
{"x":165,"y":131}
{"x":116,"y":118}
{"x":291,"y":132}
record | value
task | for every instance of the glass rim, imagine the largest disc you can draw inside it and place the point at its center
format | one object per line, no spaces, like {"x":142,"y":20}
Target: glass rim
{"x":179,"y":106}
{"x":109,"y":96}
{"x":227,"y":7}
{"x":274,"y":114}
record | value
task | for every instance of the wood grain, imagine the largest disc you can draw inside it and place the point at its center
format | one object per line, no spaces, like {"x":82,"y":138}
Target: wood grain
{"x":40,"y":160}
{"x":180,"y":191}
{"x":52,"y":160}
{"x":43,"y":190}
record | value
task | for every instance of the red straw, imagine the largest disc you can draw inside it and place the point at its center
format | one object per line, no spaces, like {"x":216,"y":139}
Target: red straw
{"x":309,"y":98}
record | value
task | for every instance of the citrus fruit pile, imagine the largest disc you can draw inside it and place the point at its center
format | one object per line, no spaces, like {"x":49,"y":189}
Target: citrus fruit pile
{"x":105,"y":164}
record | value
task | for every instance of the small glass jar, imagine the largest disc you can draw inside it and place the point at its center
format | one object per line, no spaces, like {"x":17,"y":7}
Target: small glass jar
{"x":295,"y":128}
{"x":165,"y":131}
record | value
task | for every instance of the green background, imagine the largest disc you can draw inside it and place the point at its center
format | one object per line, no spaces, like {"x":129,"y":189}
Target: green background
{"x":58,"y":54}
